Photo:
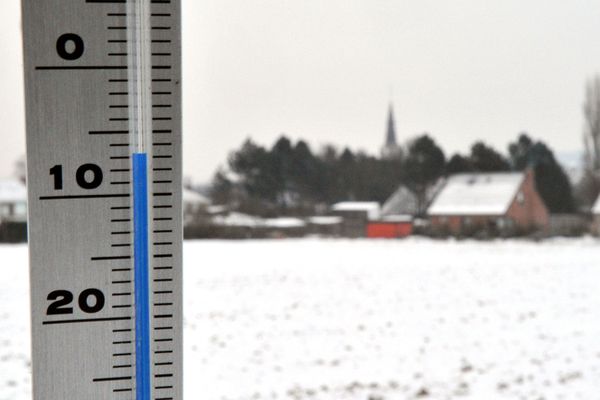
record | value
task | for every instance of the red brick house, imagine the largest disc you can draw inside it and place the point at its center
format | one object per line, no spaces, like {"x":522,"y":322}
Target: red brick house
{"x":489,"y":202}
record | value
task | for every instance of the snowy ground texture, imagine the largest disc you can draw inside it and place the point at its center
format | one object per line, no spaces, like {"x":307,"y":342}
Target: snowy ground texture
{"x":369,"y":320}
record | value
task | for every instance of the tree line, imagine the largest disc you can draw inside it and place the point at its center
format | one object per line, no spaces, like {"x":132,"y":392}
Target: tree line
{"x":291,"y":178}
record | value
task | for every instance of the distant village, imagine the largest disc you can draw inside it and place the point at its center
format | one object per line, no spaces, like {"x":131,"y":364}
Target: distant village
{"x":408,"y":190}
{"x":411,"y":189}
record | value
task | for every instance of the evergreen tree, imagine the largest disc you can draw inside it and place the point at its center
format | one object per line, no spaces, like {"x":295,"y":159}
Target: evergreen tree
{"x":345,"y":176}
{"x":485,"y":159}
{"x":458,"y":164}
{"x":423,"y":166}
{"x":222,"y":189}
{"x":327,"y":190}
{"x":303,"y":173}
{"x":551,"y":181}
{"x":520,"y":152}
{"x":252,"y":163}
{"x":280,"y":167}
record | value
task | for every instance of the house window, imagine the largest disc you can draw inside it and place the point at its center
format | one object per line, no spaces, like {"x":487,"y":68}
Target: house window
{"x":520,"y":197}
{"x":503,"y":223}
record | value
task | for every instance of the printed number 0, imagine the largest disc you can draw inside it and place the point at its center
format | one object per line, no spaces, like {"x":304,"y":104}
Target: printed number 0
{"x":70,"y":54}
{"x":96,"y":176}
{"x":61,"y":299}
{"x":84,"y":297}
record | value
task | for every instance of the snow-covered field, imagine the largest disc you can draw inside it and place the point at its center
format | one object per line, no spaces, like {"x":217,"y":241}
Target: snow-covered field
{"x":365,"y":320}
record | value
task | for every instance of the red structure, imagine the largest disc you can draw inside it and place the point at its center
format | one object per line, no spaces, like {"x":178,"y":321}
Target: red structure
{"x":496,"y":202}
{"x":389,"y":229}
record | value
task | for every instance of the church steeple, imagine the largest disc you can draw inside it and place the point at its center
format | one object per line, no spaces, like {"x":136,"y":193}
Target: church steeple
{"x":390,"y":137}
{"x":390,"y":146}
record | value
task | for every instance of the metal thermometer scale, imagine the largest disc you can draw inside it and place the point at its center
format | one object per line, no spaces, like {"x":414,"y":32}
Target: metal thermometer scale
{"x":103,"y":109}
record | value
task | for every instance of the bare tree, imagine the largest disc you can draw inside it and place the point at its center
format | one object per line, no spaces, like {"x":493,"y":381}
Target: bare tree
{"x":591,"y":134}
{"x":590,"y":185}
{"x":20,"y":171}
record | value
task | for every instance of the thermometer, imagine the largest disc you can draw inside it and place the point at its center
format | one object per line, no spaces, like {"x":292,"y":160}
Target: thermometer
{"x":103,"y":115}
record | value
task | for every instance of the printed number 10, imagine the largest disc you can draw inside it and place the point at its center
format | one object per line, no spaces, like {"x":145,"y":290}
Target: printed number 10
{"x":88,"y":176}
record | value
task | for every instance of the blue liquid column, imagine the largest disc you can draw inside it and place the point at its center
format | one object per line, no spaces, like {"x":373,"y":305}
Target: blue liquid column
{"x":141,"y":278}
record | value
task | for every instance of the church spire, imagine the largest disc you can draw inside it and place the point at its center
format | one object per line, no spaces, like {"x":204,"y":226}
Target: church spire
{"x":390,"y":137}
{"x":390,"y":146}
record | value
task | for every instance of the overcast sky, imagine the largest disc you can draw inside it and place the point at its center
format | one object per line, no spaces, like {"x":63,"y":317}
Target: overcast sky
{"x":325,"y":71}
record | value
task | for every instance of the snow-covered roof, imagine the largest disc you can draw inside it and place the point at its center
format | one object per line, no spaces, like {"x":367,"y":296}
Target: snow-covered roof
{"x":325,"y":220}
{"x":12,"y":191}
{"x":397,"y":218}
{"x":405,"y":202}
{"x":370,"y":207}
{"x":238,"y":219}
{"x":217,"y":209}
{"x":596,"y":207}
{"x":191,"y":197}
{"x":477,"y":194}
{"x":284,"y":222}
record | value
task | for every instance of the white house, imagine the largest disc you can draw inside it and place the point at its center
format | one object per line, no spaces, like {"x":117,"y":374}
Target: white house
{"x":403,"y":202}
{"x":193,"y":204}
{"x":13,"y":201}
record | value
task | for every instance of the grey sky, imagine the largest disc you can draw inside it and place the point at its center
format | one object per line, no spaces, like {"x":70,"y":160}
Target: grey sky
{"x":323,"y":71}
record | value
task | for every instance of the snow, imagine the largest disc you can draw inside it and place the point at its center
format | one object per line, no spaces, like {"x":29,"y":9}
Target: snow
{"x":191,"y":197}
{"x":368,"y":319}
{"x":245,"y":220}
{"x":237,"y":219}
{"x":370,"y":207}
{"x":477,"y":194}
{"x":325,"y":220}
{"x":12,"y":191}
{"x":217,"y":209}
{"x":15,"y":355}
{"x":284,"y":222}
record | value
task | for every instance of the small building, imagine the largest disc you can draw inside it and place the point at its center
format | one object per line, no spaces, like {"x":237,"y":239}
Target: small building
{"x":283,"y":227}
{"x":235,"y":225}
{"x":217,"y":209}
{"x":13,"y":211}
{"x":397,"y":226}
{"x":489,"y":203}
{"x":194,"y":207}
{"x":361,"y":209}
{"x":13,"y":201}
{"x":325,"y":225}
{"x":596,"y":217}
{"x":356,"y":215}
{"x":404,"y":202}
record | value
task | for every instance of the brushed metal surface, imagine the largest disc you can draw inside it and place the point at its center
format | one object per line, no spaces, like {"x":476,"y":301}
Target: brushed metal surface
{"x":76,"y":114}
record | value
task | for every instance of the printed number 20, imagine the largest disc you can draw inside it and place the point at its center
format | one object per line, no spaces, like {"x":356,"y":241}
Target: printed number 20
{"x":61,"y":300}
